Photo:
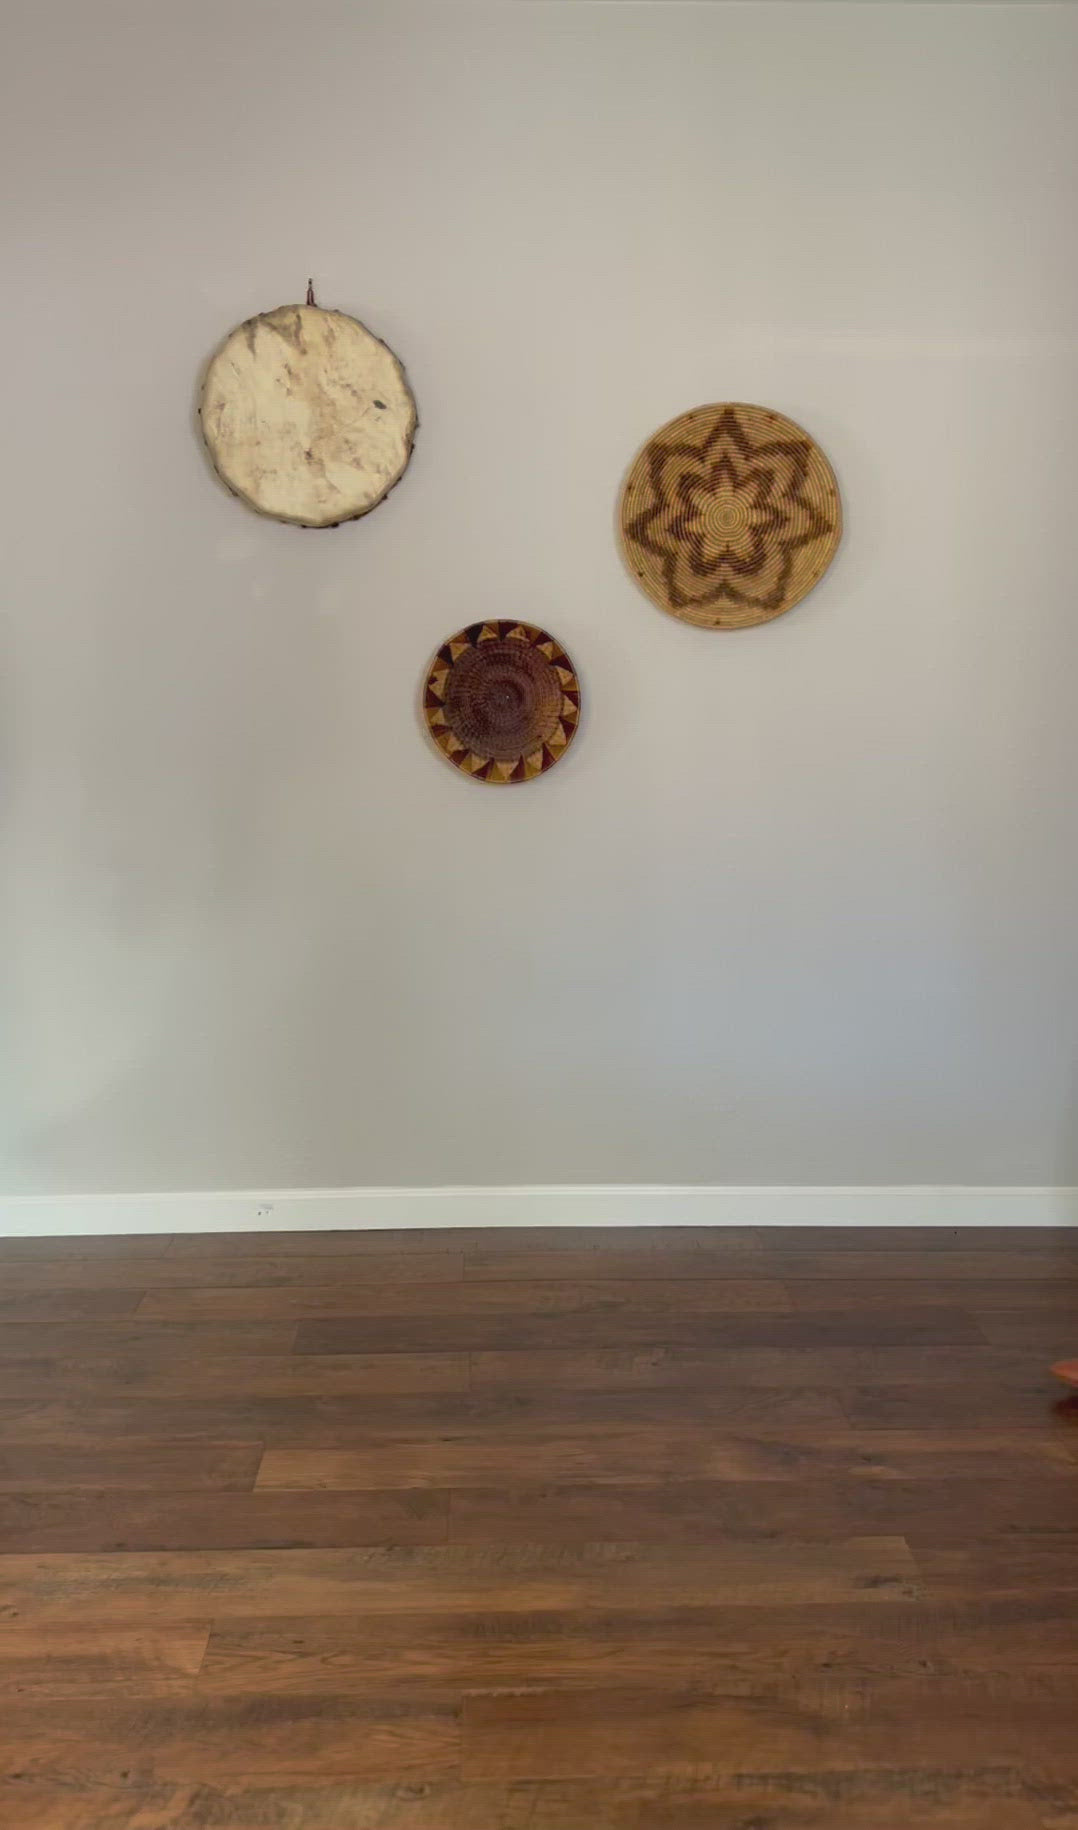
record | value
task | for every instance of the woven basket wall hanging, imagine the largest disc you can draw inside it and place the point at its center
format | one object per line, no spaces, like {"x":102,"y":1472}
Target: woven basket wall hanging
{"x":307,"y":415}
{"x":729,"y":516}
{"x":502,"y":701}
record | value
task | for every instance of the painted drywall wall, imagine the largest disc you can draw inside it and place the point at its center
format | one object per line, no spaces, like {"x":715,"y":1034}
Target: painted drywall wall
{"x":799,"y":906}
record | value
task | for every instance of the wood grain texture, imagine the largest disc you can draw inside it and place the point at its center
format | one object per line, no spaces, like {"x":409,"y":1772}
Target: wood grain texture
{"x":732,"y":1369}
{"x":649,"y":1304}
{"x":450,"y":1579}
{"x":632,"y":1323}
{"x":160,"y":1519}
{"x":370,"y":1421}
{"x":84,"y":1661}
{"x":333,"y":1243}
{"x":928,"y":1510}
{"x":1047,"y":1333}
{"x":144,"y":1464}
{"x":608,"y":1529}
{"x":625,"y":1453}
{"x":1019,"y":1263}
{"x":718,"y":1256}
{"x":767,"y":1241}
{"x":1025,"y":1565}
{"x":851,"y":1728}
{"x":142,"y":1273}
{"x":207,"y":1739}
{"x":207,"y":1375}
{"x":78,"y":1303}
{"x":975,"y":1798}
{"x":981,"y":1294}
{"x":141,"y":1344}
{"x":717,"y":1648}
{"x":1025,"y":1404}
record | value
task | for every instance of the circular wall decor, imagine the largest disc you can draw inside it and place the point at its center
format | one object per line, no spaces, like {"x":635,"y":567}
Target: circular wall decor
{"x":307,"y":415}
{"x":502,"y":701}
{"x":729,"y":516}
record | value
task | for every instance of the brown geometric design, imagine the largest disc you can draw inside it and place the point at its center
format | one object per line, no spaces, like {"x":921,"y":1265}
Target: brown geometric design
{"x":729,"y":516}
{"x":502,"y":701}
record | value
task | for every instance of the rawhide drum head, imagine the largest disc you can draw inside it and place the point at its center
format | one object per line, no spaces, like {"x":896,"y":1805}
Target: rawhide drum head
{"x":307,"y":415}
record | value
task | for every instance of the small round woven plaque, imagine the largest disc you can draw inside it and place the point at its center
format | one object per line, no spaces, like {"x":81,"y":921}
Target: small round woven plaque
{"x":502,"y":701}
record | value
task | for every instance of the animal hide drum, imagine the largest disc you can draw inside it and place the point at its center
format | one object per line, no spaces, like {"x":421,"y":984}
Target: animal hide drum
{"x":307,"y":416}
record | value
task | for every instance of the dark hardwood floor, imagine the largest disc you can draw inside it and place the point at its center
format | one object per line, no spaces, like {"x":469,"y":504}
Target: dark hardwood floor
{"x":620,"y":1530}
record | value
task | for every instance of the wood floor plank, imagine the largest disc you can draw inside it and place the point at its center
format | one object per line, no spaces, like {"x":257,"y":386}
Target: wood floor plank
{"x":1032,"y":1404}
{"x":73,"y":1661}
{"x":172,"y":1739}
{"x":980,"y":1296}
{"x":505,"y":1261}
{"x":1012,"y":1264}
{"x":40,"y":1589}
{"x":1046,"y":1335}
{"x":718,"y":1255}
{"x":929,"y":1240}
{"x":523,"y":1239}
{"x":190,"y":1272}
{"x":367,"y":1420}
{"x":967,"y":1798}
{"x":177,"y":1467}
{"x":226,"y":1376}
{"x":142,"y":1343}
{"x":702,"y":1648}
{"x":733,"y":1368}
{"x":83,"y":1247}
{"x":24,"y":1306}
{"x":625,"y":1454}
{"x":937,"y":1511}
{"x":337,"y":1242}
{"x":478,"y":1457}
{"x":652,"y":1302}
{"x":609,"y":1733}
{"x":162,"y":1520}
{"x":639,"y":1326}
{"x":1024,"y":1564}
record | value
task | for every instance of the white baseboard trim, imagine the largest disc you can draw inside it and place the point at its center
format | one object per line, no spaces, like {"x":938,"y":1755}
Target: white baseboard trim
{"x":319,"y":1209}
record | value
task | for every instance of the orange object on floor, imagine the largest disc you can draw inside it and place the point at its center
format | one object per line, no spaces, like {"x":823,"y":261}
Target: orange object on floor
{"x":1068,"y":1370}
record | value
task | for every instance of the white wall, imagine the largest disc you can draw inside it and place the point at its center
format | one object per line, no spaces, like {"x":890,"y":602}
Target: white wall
{"x":800,"y":905}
